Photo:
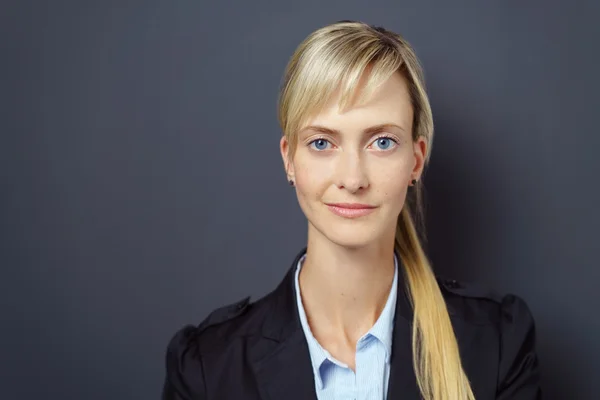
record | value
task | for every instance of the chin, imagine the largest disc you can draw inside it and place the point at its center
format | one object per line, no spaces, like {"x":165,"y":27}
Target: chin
{"x":350,"y":236}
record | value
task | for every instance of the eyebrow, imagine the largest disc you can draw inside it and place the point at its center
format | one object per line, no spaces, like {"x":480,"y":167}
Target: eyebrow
{"x":370,"y":130}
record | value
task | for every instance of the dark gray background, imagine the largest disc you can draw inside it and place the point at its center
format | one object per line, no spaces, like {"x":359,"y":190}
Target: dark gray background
{"x":141,"y":183}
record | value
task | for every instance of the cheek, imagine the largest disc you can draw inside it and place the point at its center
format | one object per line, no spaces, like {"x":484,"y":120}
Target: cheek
{"x":394,"y":194}
{"x":392,"y":184}
{"x":312,"y":176}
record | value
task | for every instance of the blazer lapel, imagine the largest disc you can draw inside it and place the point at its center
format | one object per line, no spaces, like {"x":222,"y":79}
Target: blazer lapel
{"x":287,"y":372}
{"x":284,"y":369}
{"x":403,"y":382}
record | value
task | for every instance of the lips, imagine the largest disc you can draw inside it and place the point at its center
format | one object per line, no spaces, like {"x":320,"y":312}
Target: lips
{"x":350,"y":210}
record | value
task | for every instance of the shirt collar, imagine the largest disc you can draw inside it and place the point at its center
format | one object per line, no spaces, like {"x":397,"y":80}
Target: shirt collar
{"x":382,"y":329}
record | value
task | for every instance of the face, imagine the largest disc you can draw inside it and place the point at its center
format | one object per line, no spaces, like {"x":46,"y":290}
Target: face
{"x":352,"y":168}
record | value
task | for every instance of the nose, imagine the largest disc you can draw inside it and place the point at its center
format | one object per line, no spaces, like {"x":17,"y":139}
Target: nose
{"x":351,"y":173}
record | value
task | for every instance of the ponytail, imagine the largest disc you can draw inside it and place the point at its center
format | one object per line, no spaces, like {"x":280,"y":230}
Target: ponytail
{"x":436,"y":358}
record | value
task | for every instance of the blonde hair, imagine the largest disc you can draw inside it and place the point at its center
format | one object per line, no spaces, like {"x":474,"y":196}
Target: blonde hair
{"x":339,"y":54}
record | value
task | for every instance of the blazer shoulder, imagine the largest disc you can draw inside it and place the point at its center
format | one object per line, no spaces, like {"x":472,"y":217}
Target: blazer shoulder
{"x":194,"y":336}
{"x":473,"y":290}
{"x":511,"y":318}
{"x":184,"y":366}
{"x":224,"y":325}
{"x":225,"y":313}
{"x":474,"y":302}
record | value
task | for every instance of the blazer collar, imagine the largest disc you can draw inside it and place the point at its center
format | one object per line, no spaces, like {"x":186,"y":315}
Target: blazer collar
{"x":286,"y":370}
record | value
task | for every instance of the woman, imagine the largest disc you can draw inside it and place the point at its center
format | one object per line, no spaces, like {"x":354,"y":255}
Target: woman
{"x":360,"y":314}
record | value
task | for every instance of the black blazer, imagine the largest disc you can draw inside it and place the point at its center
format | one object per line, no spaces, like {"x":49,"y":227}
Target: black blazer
{"x":258,"y":350}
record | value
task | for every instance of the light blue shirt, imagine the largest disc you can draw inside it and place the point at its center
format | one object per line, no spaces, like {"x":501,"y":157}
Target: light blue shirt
{"x":334,"y":380}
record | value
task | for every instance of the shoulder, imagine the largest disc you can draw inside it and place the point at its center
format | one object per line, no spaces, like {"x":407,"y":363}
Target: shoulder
{"x":479,"y":303}
{"x":220,"y":325}
{"x":513,"y":325}
{"x":187,"y":347}
{"x":509,"y":318}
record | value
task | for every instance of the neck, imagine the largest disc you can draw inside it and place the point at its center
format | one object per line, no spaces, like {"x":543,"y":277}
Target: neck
{"x":344,"y":290}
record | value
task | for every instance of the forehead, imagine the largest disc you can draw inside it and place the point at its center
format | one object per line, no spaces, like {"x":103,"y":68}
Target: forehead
{"x":389,"y":103}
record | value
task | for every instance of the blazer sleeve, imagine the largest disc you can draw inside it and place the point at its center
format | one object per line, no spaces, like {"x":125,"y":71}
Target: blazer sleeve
{"x":519,"y":374}
{"x":184,"y":378}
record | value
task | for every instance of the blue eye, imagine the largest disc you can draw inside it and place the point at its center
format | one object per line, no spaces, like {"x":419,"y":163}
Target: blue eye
{"x":319,"y":144}
{"x":385,"y":143}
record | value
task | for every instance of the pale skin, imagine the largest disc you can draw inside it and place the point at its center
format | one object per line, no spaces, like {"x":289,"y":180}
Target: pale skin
{"x":349,"y":268}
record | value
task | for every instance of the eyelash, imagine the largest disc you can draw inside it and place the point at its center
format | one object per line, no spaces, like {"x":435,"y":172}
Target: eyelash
{"x":374,"y":140}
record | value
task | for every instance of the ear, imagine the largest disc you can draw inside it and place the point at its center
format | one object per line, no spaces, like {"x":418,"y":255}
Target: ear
{"x":284,"y":148}
{"x":420,"y":150}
